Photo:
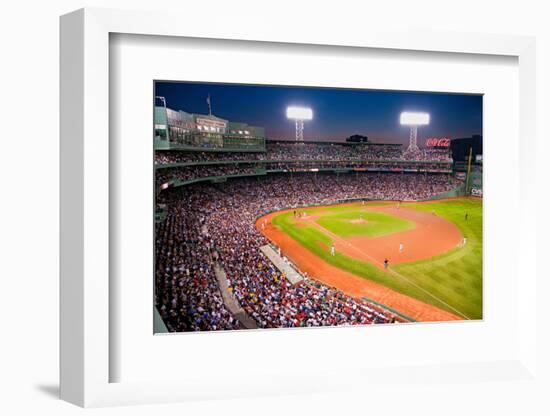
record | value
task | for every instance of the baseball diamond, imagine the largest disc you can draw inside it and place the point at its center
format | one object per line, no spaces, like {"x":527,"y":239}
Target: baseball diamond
{"x":431,"y":249}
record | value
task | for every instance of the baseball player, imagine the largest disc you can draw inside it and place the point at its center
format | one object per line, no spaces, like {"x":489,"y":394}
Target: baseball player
{"x":401,"y":247}
{"x":332,"y":250}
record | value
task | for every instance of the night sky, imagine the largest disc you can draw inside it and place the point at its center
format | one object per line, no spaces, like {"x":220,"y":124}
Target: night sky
{"x":337,"y":113}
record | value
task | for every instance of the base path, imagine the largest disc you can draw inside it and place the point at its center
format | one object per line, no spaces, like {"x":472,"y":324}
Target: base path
{"x":354,"y":285}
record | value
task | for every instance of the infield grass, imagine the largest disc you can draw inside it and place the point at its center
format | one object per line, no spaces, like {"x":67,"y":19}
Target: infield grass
{"x":450,"y":281}
{"x":363,"y":223}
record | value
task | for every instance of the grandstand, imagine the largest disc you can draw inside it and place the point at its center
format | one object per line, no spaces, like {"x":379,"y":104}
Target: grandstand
{"x":176,"y":167}
{"x":211,"y":199}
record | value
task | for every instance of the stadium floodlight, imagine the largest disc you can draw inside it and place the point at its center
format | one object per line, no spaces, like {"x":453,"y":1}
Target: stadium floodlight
{"x":299,"y":114}
{"x":413,"y":120}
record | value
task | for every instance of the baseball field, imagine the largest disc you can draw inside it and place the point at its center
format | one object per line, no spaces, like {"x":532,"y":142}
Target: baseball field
{"x":432,"y":250}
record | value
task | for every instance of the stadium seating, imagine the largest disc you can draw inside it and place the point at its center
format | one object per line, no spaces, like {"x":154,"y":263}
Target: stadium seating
{"x":210,"y":223}
{"x":277,"y":150}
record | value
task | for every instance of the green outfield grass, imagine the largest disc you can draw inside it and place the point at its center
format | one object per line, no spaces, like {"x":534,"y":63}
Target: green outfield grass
{"x":450,"y":281}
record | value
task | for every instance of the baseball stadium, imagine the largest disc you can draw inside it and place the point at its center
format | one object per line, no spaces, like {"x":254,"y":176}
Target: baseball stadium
{"x":253,"y":231}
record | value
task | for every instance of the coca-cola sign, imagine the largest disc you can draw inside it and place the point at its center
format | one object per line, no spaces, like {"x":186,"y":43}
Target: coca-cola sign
{"x":438,"y":142}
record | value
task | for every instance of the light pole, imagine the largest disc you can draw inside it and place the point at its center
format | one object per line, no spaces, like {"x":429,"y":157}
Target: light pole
{"x":299,"y":114}
{"x":161,"y":99}
{"x":413,"y":120}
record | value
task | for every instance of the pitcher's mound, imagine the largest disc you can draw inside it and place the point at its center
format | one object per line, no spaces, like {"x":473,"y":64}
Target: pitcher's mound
{"x":359,"y":221}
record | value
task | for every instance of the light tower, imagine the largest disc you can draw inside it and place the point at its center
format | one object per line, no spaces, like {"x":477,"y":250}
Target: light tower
{"x":413,"y":120}
{"x":299,"y":114}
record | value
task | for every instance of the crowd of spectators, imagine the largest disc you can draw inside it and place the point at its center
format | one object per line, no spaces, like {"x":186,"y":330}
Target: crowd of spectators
{"x":208,"y":223}
{"x":187,"y":173}
{"x":436,"y":154}
{"x":374,"y":165}
{"x":308,"y":151}
{"x":430,"y":154}
{"x":332,"y":151}
{"x":192,"y":172}
{"x":186,"y":290}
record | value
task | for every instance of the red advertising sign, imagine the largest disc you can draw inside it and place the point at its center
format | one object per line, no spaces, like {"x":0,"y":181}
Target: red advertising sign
{"x":438,"y":142}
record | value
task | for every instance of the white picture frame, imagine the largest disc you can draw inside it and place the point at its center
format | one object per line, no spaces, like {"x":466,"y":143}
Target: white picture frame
{"x":85,"y":352}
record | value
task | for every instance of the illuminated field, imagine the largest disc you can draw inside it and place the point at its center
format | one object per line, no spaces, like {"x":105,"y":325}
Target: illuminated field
{"x":435,"y":266}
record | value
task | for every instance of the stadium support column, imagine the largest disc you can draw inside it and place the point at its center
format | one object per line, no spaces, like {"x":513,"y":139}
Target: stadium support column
{"x":413,"y":138}
{"x":299,"y":130}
